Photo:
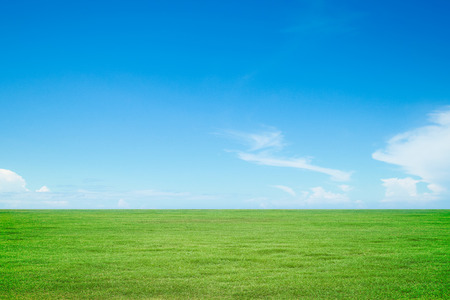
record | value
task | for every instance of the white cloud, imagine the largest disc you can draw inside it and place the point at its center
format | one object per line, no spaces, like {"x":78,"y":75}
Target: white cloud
{"x":436,"y":188}
{"x":286,"y":189}
{"x":405,"y":190}
{"x":316,"y":197}
{"x":260,"y":202}
{"x":319,"y":195}
{"x":79,"y":198}
{"x":43,"y":189}
{"x":400,"y":187}
{"x":423,"y":152}
{"x":11,"y":182}
{"x":298,"y":163}
{"x":441,"y":117}
{"x":123,"y":204}
{"x":271,"y":139}
{"x":345,"y":188}
{"x":262,"y":148}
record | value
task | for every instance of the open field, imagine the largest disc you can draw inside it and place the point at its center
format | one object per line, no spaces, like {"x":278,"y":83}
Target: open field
{"x":307,"y":254}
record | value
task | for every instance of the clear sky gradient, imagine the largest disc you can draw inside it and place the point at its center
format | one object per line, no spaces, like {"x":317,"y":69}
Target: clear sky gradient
{"x":231,"y":104}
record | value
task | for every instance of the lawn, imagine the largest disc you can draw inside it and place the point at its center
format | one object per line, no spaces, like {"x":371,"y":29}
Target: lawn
{"x":180,"y":254}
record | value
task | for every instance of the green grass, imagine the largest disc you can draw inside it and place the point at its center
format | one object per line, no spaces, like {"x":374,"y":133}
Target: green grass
{"x":279,"y":254}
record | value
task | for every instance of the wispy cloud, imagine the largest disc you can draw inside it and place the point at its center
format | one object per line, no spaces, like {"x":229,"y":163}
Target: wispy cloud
{"x":263,"y":149}
{"x":315,"y":197}
{"x":14,"y":194}
{"x":345,"y":188}
{"x":423,"y":152}
{"x":270,"y":139}
{"x":286,"y":189}
{"x":85,"y":198}
{"x":298,"y":163}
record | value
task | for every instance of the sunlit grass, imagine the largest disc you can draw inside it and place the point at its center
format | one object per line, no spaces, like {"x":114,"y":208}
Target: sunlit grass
{"x":310,"y":254}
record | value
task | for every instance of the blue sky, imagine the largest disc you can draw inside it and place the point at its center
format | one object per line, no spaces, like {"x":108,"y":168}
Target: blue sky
{"x":199,"y":104}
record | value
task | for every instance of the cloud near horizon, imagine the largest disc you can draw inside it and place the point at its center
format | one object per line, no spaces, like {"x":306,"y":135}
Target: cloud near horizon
{"x":81,"y":198}
{"x":318,"y":195}
{"x":423,"y":152}
{"x":405,"y":190}
{"x":262,"y":147}
{"x":315,"y":197}
{"x":123,"y":204}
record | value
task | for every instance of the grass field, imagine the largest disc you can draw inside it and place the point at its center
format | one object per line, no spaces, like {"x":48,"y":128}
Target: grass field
{"x":306,"y":254}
